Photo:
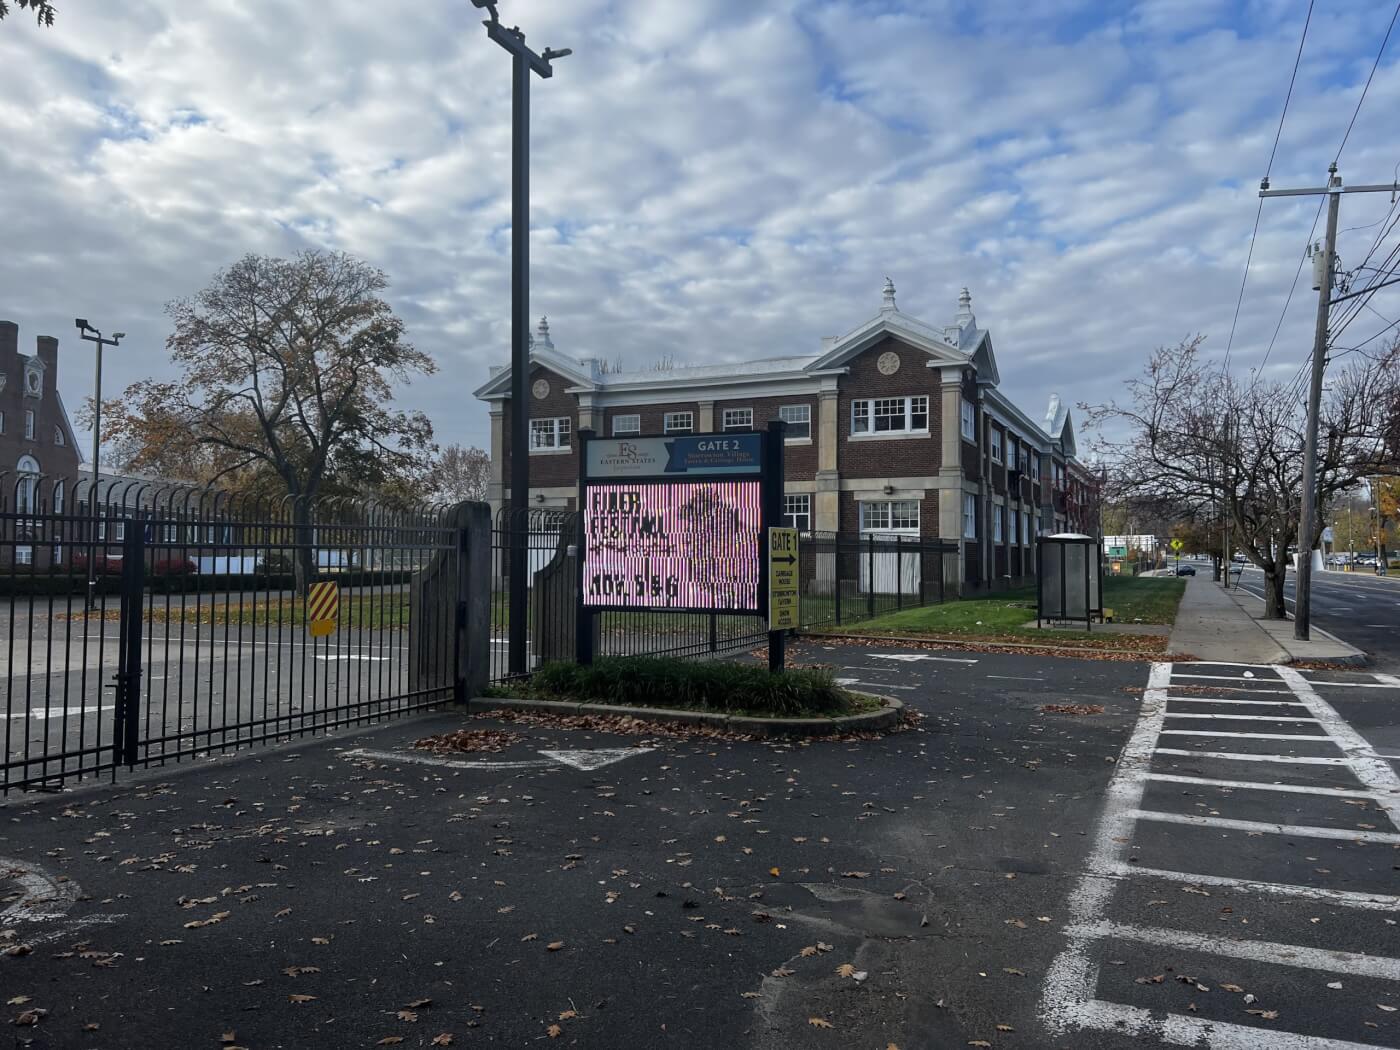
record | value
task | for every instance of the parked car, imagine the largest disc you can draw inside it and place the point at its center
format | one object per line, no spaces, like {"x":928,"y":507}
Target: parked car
{"x":111,"y":564}
{"x":1186,"y":570}
{"x":105,"y":564}
{"x":1239,"y":558}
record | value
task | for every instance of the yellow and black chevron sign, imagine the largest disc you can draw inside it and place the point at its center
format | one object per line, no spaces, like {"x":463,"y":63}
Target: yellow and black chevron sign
{"x":322,"y":608}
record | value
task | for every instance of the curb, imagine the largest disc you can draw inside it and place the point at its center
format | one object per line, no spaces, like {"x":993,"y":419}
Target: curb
{"x":1350,"y":657}
{"x":973,"y":643}
{"x":886,"y":718}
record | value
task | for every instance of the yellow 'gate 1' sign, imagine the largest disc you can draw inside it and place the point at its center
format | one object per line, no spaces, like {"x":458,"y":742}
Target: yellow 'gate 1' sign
{"x":782,"y":579}
{"x":322,"y":608}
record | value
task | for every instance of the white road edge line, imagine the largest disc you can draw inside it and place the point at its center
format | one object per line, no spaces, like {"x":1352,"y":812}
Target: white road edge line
{"x":1250,"y":736}
{"x":1186,"y":1030}
{"x":1074,"y":974}
{"x":1236,"y":756}
{"x":1369,"y":767}
{"x":1390,"y":838}
{"x":1353,"y":963}
{"x":1254,"y":785}
{"x":1348,"y":898}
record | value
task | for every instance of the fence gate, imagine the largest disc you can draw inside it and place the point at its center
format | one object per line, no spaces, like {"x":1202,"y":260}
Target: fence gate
{"x":152,"y":626}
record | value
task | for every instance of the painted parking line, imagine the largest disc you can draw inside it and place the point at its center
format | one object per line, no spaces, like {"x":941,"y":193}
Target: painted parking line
{"x":1071,"y":995}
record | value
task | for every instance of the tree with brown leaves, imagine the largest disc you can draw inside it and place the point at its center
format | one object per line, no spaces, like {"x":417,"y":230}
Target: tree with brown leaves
{"x":1193,"y":436}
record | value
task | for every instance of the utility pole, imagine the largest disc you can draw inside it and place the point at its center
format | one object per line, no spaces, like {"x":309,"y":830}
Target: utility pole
{"x":525,"y":62}
{"x":1302,"y":614}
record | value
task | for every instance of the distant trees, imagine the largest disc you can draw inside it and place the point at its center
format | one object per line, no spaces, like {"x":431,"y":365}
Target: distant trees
{"x":459,"y":474}
{"x":288,"y":372}
{"x":1194,"y":437}
{"x":43,"y":9}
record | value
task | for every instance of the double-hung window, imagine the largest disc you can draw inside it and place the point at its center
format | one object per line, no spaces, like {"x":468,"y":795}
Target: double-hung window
{"x":1015,"y":526}
{"x":968,"y":419}
{"x":629,"y":424}
{"x":547,"y":435}
{"x":1011,"y":461}
{"x":678,"y":422}
{"x":1026,"y":529}
{"x":890,"y":415}
{"x":29,"y":423}
{"x":969,"y":516}
{"x":797,"y":511}
{"x":998,"y":515}
{"x":799,"y":421}
{"x":738,"y":419}
{"x":996,"y":445}
{"x":890,"y":515}
{"x":1035,"y":465}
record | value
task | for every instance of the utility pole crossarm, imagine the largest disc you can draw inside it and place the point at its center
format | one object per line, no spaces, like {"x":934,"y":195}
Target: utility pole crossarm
{"x":1314,"y":191}
{"x":513,"y":40}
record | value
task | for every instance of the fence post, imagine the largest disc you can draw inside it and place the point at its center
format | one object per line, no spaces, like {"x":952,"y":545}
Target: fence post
{"x":836,"y":562}
{"x":870,"y":577}
{"x":473,"y":663}
{"x":128,"y":699}
{"x":899,"y":572}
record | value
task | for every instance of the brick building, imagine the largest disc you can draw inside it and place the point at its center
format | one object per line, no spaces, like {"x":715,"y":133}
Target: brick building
{"x":38,"y":453}
{"x":896,"y":428}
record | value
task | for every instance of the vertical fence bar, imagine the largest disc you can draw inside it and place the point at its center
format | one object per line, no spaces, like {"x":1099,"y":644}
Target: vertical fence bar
{"x":129,"y":655}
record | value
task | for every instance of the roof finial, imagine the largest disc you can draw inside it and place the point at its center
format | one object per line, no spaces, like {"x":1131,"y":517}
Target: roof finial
{"x":889,"y":295}
{"x":542,"y":338}
{"x":965,"y":308}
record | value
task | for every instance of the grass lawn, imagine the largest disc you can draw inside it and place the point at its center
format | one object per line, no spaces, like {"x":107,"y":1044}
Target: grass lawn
{"x":1011,"y":616}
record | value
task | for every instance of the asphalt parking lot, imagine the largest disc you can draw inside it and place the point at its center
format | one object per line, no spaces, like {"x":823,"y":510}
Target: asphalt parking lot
{"x":1003,"y":873}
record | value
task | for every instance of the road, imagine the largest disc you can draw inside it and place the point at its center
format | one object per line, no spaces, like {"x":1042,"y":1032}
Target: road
{"x":1199,"y":856}
{"x":1359,"y":608}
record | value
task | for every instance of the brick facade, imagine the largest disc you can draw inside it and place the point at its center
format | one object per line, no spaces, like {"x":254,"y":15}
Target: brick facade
{"x":901,"y":457}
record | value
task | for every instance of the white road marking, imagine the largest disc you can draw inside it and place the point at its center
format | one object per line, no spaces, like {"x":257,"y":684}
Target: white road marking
{"x":1387,"y":679}
{"x":585,"y":760}
{"x":1219,"y":677}
{"x":1263,"y":827}
{"x":42,"y":714}
{"x":335,"y":658}
{"x":1237,"y":756}
{"x":873,"y":685}
{"x":1348,"y":898}
{"x":1225,"y":700}
{"x":1192,"y":1031}
{"x":1250,"y":736}
{"x":597,"y":758}
{"x":912,"y":657}
{"x":1244,"y":718}
{"x":1369,"y":767}
{"x":1014,"y":678}
{"x":1254,"y":785}
{"x":1353,"y":963}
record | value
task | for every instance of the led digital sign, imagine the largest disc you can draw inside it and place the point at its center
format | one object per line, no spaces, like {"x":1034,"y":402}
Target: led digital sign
{"x":680,"y":545}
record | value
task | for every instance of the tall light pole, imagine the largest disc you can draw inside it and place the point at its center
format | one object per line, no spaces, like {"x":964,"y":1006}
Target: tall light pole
{"x":525,"y":62}
{"x":92,"y":335}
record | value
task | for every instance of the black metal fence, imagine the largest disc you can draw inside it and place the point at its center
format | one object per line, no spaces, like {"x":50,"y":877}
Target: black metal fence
{"x":153,"y":624}
{"x":844,"y":579}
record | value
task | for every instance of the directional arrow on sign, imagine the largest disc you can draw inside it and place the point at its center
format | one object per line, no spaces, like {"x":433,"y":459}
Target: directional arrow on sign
{"x":786,"y":560}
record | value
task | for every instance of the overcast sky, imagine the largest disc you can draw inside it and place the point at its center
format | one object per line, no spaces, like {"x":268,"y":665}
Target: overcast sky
{"x":714,"y":180}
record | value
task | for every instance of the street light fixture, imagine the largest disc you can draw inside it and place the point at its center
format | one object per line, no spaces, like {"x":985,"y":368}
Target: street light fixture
{"x":525,"y":61}
{"x":90,"y":334}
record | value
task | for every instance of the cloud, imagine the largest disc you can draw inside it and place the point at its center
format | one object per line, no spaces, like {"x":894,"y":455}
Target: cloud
{"x":712,"y":181}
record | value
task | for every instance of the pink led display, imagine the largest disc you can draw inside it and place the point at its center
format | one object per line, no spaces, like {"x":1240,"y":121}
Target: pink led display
{"x":677,"y":545}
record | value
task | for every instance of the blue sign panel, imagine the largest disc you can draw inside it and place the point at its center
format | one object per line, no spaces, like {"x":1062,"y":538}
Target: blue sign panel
{"x":679,"y":456}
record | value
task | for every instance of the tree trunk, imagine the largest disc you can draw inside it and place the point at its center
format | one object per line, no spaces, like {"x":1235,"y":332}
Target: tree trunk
{"x":304,"y":552}
{"x":1274,"y":608}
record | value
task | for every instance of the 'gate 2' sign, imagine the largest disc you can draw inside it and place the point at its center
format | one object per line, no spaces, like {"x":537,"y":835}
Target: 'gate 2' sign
{"x":673,"y":523}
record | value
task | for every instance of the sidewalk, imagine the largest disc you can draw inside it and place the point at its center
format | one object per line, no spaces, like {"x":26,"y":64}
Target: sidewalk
{"x":1215,"y":625}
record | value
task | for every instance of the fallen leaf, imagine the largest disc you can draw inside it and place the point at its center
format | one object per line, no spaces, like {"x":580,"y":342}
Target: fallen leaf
{"x":820,"y":1022}
{"x":320,"y":940}
{"x":30,"y":1017}
{"x":554,"y":946}
{"x":783,"y":971}
{"x":229,"y":1037}
{"x":567,"y":1015}
{"x":530,"y":937}
{"x":1231,"y":988}
{"x":978,"y":1042}
{"x":18,"y":1000}
{"x":1334,"y":984}
{"x":774,"y":872}
{"x":1267,"y":1015}
{"x":1005,"y":1028}
{"x":390,"y":1040}
{"x":554,"y":1031}
{"x":418,"y":1004}
{"x":855,"y":874}
{"x":442,"y":1039}
{"x":1013,"y":971}
{"x":299,"y":998}
{"x":1387,"y":1009}
{"x":846,"y":970}
{"x":407,"y":1015}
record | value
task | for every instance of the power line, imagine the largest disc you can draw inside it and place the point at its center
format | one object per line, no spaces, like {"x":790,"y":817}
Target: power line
{"x":1268,"y":170}
{"x":1374,"y":66}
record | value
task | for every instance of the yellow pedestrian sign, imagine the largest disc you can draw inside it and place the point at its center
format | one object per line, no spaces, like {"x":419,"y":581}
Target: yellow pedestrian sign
{"x":322,"y":608}
{"x":782,"y":579}
{"x":1176,"y":545}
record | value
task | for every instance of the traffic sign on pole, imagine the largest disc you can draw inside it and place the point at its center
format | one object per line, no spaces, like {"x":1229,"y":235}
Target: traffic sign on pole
{"x":782,"y":579}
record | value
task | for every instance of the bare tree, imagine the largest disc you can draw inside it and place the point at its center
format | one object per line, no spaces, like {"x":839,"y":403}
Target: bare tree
{"x":459,"y":473}
{"x":1192,"y":436}
{"x":288,"y":373}
{"x":43,"y":10}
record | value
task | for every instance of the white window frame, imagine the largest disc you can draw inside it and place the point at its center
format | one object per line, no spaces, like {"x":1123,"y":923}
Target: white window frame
{"x":24,"y":555}
{"x":29,"y":424}
{"x":797,"y":511}
{"x":737,"y":419}
{"x":620,"y":424}
{"x":560,"y":434}
{"x":996,"y":447}
{"x":1026,"y":529}
{"x":998,"y":528}
{"x":880,"y":515}
{"x":1015,"y":527}
{"x":867,"y":411}
{"x":969,"y":529}
{"x":671,"y":423}
{"x":1035,"y":463}
{"x":797,"y":415}
{"x":967,"y":414}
